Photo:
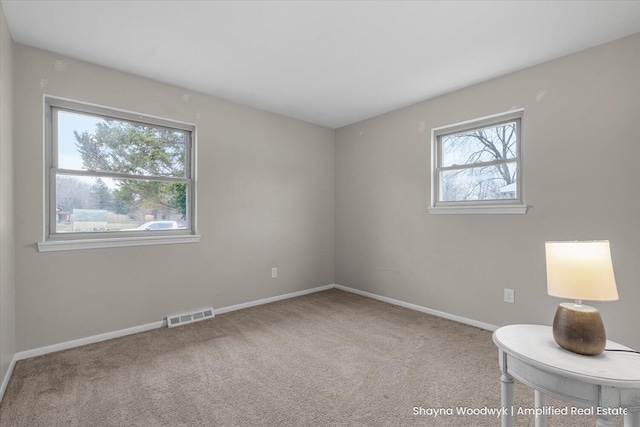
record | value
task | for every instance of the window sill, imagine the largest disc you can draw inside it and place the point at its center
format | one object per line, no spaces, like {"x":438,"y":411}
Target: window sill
{"x":114,"y":242}
{"x":479,"y":210}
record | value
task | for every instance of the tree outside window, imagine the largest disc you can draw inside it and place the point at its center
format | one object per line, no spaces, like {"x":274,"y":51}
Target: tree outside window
{"x":114,"y":172}
{"x":478,"y":163}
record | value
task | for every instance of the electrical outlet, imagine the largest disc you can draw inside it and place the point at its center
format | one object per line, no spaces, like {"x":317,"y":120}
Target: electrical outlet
{"x":509,"y":295}
{"x":274,"y":272}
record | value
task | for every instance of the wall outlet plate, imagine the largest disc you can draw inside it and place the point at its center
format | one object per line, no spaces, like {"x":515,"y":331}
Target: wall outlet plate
{"x":509,"y":295}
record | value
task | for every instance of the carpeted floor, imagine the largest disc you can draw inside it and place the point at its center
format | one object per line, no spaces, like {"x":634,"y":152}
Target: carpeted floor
{"x":329,"y":358}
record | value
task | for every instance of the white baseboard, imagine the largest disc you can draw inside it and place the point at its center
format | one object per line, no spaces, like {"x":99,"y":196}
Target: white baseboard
{"x":88,"y":340}
{"x":416,"y":307}
{"x":272,"y":299}
{"x":7,"y":377}
{"x":155,"y":325}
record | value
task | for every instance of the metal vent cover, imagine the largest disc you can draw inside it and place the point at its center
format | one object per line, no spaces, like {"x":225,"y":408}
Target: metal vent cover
{"x":179,"y":319}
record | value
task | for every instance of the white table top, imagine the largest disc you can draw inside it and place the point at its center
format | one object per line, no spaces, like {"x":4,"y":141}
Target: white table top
{"x":534,"y":345}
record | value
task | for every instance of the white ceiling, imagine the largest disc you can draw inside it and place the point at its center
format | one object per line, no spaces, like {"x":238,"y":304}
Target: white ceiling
{"x":327,"y":62}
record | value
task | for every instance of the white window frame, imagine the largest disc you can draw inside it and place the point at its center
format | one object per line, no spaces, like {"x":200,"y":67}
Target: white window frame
{"x":72,"y":241}
{"x":501,"y":206}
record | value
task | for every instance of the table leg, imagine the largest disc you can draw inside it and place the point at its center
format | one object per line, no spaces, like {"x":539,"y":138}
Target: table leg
{"x":632,"y":419}
{"x":506,"y":389}
{"x":540,"y":401}
{"x":605,"y":421}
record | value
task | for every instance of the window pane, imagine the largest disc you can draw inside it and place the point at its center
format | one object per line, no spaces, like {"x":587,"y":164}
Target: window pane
{"x":481,"y":183}
{"x":480,"y":145}
{"x":88,"y":204}
{"x":88,"y":142}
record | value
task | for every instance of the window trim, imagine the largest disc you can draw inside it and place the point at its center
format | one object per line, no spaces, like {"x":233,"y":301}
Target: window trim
{"x":500,"y":206}
{"x":53,"y":241}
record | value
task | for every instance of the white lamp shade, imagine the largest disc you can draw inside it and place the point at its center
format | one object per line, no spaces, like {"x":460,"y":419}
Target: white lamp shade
{"x":580,"y":270}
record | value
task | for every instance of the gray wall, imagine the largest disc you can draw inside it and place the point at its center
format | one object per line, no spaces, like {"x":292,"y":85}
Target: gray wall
{"x":582,"y":177}
{"x":7,"y":263}
{"x":265,"y":198}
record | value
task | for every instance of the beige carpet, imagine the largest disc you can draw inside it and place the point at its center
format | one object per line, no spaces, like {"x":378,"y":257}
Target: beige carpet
{"x":330,"y":358}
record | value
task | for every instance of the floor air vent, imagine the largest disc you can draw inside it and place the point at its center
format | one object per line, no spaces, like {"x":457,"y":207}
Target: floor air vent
{"x":179,"y":319}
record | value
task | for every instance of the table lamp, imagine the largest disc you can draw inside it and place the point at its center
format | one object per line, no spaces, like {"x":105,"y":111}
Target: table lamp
{"x":580,"y":271}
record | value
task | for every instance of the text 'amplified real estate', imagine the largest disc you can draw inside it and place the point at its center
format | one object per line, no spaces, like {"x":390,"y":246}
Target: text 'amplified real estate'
{"x":499,"y":412}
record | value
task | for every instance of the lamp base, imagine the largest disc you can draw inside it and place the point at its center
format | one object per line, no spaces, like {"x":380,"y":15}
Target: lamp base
{"x":579,"y":328}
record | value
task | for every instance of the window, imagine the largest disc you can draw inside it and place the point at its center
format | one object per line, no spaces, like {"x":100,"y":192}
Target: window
{"x":477,"y":166}
{"x":116,"y":178}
